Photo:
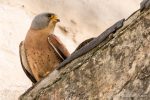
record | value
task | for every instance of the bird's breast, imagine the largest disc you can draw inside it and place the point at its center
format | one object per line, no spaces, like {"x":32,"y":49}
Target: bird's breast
{"x":41,"y":56}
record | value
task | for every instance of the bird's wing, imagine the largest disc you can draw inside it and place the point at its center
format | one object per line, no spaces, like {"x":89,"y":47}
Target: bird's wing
{"x":25,"y":64}
{"x":84,"y":43}
{"x":58,"y":46}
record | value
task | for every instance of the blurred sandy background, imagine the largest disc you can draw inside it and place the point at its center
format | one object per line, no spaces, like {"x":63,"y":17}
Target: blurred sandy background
{"x":80,"y":19}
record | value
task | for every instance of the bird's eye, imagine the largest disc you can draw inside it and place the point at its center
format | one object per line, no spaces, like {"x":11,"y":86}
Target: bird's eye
{"x":52,"y":16}
{"x":49,"y":15}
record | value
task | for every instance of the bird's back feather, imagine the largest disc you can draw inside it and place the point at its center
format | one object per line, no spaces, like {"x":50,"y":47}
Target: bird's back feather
{"x":25,"y":64}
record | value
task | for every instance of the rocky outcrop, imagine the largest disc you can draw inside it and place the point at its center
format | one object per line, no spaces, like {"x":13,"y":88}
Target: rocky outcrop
{"x":118,"y":68}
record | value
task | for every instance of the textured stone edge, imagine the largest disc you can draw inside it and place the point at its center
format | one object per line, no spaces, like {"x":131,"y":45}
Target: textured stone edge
{"x":145,"y":4}
{"x":48,"y":81}
{"x":91,"y":45}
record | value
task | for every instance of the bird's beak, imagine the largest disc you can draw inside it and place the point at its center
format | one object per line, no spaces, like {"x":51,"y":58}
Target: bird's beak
{"x":54,"y":18}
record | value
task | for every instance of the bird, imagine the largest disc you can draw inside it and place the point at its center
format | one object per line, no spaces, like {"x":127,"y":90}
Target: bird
{"x":41,"y":51}
{"x":85,"y":42}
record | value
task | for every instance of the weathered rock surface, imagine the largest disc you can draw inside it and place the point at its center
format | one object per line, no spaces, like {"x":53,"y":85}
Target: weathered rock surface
{"x":83,"y":19}
{"x":117,"y":69}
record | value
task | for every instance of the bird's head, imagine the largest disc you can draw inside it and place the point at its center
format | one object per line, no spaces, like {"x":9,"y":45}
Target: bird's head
{"x":44,"y":21}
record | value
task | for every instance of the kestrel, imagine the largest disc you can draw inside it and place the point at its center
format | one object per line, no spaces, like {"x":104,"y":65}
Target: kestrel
{"x":41,"y":51}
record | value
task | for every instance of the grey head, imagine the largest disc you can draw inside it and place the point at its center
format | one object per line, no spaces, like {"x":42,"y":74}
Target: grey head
{"x":42,"y":20}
